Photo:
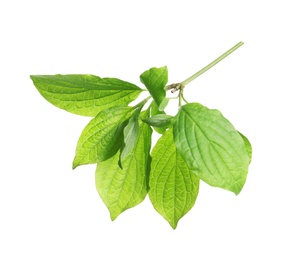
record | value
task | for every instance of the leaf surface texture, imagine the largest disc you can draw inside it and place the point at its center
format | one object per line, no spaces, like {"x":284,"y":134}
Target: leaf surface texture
{"x":121,"y":189}
{"x":173,"y":187}
{"x":155,"y":80}
{"x":103,"y":136}
{"x":211,"y":147}
{"x":85,"y":95}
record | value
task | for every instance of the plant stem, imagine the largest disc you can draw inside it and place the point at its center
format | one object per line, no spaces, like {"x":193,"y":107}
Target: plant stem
{"x":213,"y":63}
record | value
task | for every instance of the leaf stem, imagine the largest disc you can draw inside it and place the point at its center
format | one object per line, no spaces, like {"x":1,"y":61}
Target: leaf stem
{"x":142,"y":103}
{"x":213,"y":63}
{"x":180,"y":98}
{"x":184,"y":97}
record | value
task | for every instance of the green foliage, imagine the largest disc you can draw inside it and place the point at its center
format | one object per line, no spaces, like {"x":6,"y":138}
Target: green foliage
{"x":155,"y":80}
{"x":211,"y":147}
{"x":103,"y":136}
{"x":124,"y":188}
{"x":160,"y":120}
{"x":173,"y":186}
{"x":247,"y":146}
{"x":85,"y":95}
{"x":154,"y":112}
{"x":131,"y":133}
{"x":196,"y":143}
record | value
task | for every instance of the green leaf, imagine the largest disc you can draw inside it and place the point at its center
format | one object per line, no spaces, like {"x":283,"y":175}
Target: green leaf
{"x":85,"y":95}
{"x":160,"y":120}
{"x":247,"y":146}
{"x":103,"y":136}
{"x":211,"y":147}
{"x":131,"y":133}
{"x":143,"y":115}
{"x":173,"y":187}
{"x":121,"y":189}
{"x":155,"y":80}
{"x":155,"y":111}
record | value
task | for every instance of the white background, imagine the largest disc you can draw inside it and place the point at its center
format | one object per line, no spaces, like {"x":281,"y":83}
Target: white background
{"x":49,"y":211}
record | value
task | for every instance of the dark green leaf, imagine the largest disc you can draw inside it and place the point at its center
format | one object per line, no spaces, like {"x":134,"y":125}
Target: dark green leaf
{"x":160,"y":120}
{"x":173,"y":187}
{"x":85,"y":95}
{"x":211,"y":147}
{"x":103,"y":136}
{"x":155,"y":111}
{"x":155,"y":80}
{"x":121,"y":189}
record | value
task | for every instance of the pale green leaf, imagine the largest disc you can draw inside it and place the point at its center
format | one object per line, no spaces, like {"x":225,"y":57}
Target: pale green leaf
{"x":247,"y":146}
{"x":85,"y":95}
{"x":173,"y":187}
{"x":103,"y":136}
{"x":121,"y":189}
{"x":155,"y":80}
{"x":211,"y":147}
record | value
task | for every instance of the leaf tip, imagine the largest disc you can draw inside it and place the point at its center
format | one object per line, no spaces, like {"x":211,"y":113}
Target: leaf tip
{"x":32,"y":77}
{"x":75,"y":164}
{"x":113,"y":216}
{"x":238,"y":190}
{"x":120,"y":163}
{"x":173,"y":224}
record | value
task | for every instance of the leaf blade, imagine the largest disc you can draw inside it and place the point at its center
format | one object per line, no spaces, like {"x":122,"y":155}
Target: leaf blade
{"x":248,"y":146}
{"x":155,"y":80}
{"x":121,"y":189}
{"x":155,"y":111}
{"x":211,"y":147}
{"x":131,"y":133}
{"x":160,"y":120}
{"x":173,"y":187}
{"x":84,"y":94}
{"x":103,"y":136}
